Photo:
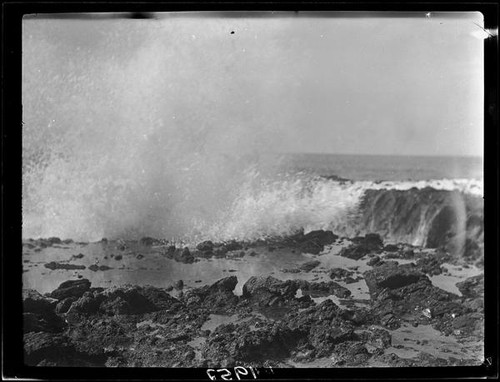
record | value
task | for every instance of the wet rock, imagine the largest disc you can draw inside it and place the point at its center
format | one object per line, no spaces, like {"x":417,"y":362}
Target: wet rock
{"x":374,"y":261}
{"x":45,"y":322}
{"x":271,"y":341}
{"x":391,"y":276}
{"x":71,"y":288}
{"x":139,"y":256}
{"x":118,"y":257}
{"x":34,"y":302}
{"x":232,"y":246}
{"x":134,"y":300}
{"x":362,"y":246}
{"x":431,"y":263}
{"x":263,"y":289}
{"x":310,"y":265}
{"x":339,"y":273}
{"x":64,"y":305}
{"x":314,"y":241}
{"x":217,"y":298}
{"x":322,"y":289}
{"x":87,"y":304}
{"x":56,"y":350}
{"x":472,"y":287}
{"x":79,"y":256}
{"x":54,"y":240}
{"x":54,"y":265}
{"x":205,"y":246}
{"x":391,"y":248}
{"x":179,"y":285}
{"x":95,"y":268}
{"x":148,"y":241}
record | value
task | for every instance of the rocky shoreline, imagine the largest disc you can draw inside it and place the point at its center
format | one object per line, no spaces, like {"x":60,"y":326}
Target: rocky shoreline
{"x":273,"y":322}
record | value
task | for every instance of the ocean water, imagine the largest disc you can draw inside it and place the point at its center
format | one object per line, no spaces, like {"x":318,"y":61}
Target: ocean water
{"x":219,"y":196}
{"x":388,"y":168}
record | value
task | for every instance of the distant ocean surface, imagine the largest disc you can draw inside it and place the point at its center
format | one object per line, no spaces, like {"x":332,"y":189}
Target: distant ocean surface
{"x":386,"y":168}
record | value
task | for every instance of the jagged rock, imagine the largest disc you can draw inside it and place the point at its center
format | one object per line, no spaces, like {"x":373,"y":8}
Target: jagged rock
{"x":56,"y":350}
{"x":268,"y":285}
{"x":339,"y":273}
{"x":64,"y":305}
{"x":392,"y":276}
{"x":134,"y":300}
{"x":217,"y":298}
{"x":46,"y":322}
{"x":431,"y":263}
{"x":71,"y":288}
{"x":473,"y":287}
{"x":362,"y":246}
{"x":34,"y":302}
{"x":321,"y":289}
{"x":314,"y":241}
{"x":205,"y":246}
{"x":231,"y":343}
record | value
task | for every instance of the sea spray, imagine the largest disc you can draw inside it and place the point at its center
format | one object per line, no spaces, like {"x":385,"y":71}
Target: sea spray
{"x":123,"y":138}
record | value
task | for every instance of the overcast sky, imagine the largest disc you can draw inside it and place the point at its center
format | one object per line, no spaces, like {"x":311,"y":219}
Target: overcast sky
{"x":363,"y":85}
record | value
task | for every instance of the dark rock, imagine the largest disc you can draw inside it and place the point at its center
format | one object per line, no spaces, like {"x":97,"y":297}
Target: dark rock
{"x":340,"y":273}
{"x":179,"y":284}
{"x":54,"y":240}
{"x":231,"y":343}
{"x":310,"y":265}
{"x":322,"y":289}
{"x":391,"y":276}
{"x":34,"y":302}
{"x":53,"y":265}
{"x":118,"y":257}
{"x":64,"y":305}
{"x":391,"y":248}
{"x":186,"y":256}
{"x":139,"y":256}
{"x":148,"y":241}
{"x":95,"y":268}
{"x":264,"y":287}
{"x":232,"y":246}
{"x":79,"y":256}
{"x":45,"y":322}
{"x":71,"y":288}
{"x":205,"y":246}
{"x":472,"y":287}
{"x":134,"y":300}
{"x":217,"y":298}
{"x":374,"y":261}
{"x":431,"y":263}
{"x":362,"y":246}
{"x":314,"y":241}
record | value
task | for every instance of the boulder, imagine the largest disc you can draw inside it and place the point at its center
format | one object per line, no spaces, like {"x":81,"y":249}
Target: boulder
{"x":392,"y":276}
{"x":340,"y":273}
{"x":473,"y":287}
{"x":309,"y":265}
{"x":71,"y":288}
{"x":362,"y":246}
{"x":205,"y":246}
